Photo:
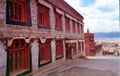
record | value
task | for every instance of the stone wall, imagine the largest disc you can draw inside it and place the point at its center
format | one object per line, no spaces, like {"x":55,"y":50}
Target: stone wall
{"x":3,"y":59}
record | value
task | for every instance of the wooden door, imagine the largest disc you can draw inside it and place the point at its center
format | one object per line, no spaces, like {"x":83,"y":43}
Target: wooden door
{"x":68,"y":51}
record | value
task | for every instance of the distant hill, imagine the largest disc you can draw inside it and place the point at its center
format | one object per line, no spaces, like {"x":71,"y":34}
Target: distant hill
{"x":102,"y":35}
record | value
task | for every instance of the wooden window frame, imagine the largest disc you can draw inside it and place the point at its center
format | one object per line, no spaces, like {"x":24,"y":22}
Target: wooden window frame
{"x":74,"y":28}
{"x":24,"y":21}
{"x":47,"y":62}
{"x":82,"y":43}
{"x":57,"y":51}
{"x":67,"y":23}
{"x":78,"y":26}
{"x":79,"y":44}
{"x":58,"y":20}
{"x":74,"y":49}
{"x":18,"y":51}
{"x":42,"y":23}
{"x":82,"y":29}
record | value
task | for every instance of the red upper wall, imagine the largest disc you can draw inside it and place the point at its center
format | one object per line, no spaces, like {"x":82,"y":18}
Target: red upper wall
{"x":61,"y":4}
{"x":89,"y":44}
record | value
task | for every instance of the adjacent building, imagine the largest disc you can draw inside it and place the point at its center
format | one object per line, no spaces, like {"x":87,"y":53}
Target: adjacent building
{"x":91,"y":48}
{"x":89,"y":44}
{"x":37,"y":35}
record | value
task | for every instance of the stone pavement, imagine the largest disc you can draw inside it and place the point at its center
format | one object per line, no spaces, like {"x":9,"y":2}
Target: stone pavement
{"x":94,"y":66}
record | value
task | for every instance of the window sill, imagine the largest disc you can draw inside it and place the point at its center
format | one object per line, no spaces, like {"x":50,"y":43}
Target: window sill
{"x":59,"y":57}
{"x":44,"y":27}
{"x":18,"y":23}
{"x":44,"y":62}
{"x":20,"y":71}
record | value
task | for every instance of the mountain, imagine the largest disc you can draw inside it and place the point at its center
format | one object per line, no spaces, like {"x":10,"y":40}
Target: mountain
{"x":102,"y":35}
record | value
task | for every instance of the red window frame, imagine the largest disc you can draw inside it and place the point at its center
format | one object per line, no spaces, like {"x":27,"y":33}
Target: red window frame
{"x":45,"y":52}
{"x":19,"y":56}
{"x":74,"y":49}
{"x":74,"y":29}
{"x":67,"y":23}
{"x":79,"y":46}
{"x":43,"y":16}
{"x":82,"y":46}
{"x":82,"y":29}
{"x":58,"y":18}
{"x":78,"y":25}
{"x":59,"y":49}
{"x":19,"y":10}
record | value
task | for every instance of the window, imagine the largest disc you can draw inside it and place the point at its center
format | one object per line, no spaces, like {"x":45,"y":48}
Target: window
{"x":43,"y":15}
{"x":45,"y":52}
{"x":18,"y":12}
{"x":67,"y":22}
{"x":82,"y":29}
{"x":74,"y":29}
{"x":78,"y":26}
{"x":82,"y":46}
{"x":74,"y":48}
{"x":58,"y":21}
{"x":79,"y":46}
{"x":19,"y":56}
{"x":59,"y":49}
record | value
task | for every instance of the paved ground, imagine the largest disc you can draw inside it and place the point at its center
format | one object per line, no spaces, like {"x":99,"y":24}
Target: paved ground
{"x":94,"y":66}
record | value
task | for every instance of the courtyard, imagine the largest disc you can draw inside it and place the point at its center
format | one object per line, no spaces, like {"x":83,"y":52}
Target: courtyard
{"x":93,"y":66}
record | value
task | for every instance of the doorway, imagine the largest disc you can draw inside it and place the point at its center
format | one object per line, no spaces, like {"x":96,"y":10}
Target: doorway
{"x":68,"y":51}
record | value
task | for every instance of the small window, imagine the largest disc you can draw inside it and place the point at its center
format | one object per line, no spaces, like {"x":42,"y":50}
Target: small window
{"x":82,"y":29}
{"x":43,"y":16}
{"x":58,"y":21}
{"x":67,"y":22}
{"x":79,"y":46}
{"x":45,"y":52}
{"x":74,"y":49}
{"x":59,"y":49}
{"x":82,"y":46}
{"x":74,"y":29}
{"x":18,"y":12}
{"x":78,"y":26}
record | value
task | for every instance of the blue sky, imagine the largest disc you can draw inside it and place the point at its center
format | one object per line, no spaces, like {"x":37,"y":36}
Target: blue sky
{"x":99,"y":15}
{"x":86,"y":3}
